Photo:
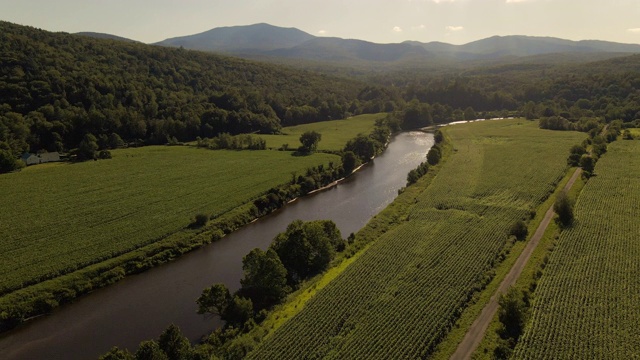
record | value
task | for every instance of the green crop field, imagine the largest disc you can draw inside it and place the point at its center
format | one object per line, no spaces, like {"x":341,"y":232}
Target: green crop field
{"x":586,"y":302}
{"x":56,"y":218}
{"x":335,"y":133}
{"x":402,"y":295}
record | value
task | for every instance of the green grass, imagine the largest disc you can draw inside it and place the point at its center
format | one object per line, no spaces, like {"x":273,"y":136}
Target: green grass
{"x":586,"y":302}
{"x":406,"y":291}
{"x":57,"y":218}
{"x":635,"y":132}
{"x":335,"y":133}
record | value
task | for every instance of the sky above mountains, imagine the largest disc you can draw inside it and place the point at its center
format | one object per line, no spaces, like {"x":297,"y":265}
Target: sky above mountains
{"x":382,"y":21}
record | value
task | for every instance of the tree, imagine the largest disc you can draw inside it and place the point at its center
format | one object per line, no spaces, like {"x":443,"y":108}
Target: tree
{"x":175,"y":345}
{"x":512,"y":314}
{"x":116,"y":354}
{"x":150,"y":350}
{"x":588,"y":164}
{"x":265,"y":278}
{"x":305,"y":249}
{"x":438,"y":136}
{"x":349,"y":162}
{"x":363,"y":146}
{"x":563,"y":207}
{"x":470,"y":114}
{"x":88,"y":147}
{"x":575,"y":153}
{"x":434,"y":155}
{"x":214,"y":300}
{"x":8,"y":162}
{"x":310,"y":140}
{"x":239,"y":311}
{"x":115,"y":141}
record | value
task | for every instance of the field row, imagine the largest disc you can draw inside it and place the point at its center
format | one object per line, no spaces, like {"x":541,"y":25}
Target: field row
{"x":586,"y":303}
{"x":59,"y":217}
{"x":401,"y":297}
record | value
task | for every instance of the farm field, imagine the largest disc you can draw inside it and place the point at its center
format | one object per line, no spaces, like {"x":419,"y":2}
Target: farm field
{"x":335,"y":133}
{"x":586,"y":302}
{"x":403,"y":294}
{"x":56,"y":218}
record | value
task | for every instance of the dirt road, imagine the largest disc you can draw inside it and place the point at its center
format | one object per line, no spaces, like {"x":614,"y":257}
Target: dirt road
{"x":476,"y":332}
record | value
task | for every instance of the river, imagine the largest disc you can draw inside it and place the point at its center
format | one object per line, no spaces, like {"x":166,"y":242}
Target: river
{"x":140,"y":307}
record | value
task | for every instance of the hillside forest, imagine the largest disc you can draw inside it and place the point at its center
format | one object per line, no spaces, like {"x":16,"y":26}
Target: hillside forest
{"x":56,"y":89}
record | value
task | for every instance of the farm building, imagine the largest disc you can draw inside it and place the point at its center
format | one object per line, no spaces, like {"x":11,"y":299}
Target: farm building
{"x":30,"y":159}
{"x":49,"y":157}
{"x":33,"y":159}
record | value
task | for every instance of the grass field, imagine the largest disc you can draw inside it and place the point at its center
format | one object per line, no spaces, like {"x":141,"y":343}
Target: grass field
{"x":586,"y":302}
{"x":56,"y":218}
{"x":335,"y":133}
{"x":401,"y":296}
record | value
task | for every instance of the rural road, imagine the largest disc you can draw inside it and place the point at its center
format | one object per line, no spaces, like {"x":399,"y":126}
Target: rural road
{"x":476,"y":332}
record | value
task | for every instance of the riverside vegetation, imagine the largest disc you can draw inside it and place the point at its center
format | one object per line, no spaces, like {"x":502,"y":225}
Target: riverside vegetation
{"x":102,"y":243}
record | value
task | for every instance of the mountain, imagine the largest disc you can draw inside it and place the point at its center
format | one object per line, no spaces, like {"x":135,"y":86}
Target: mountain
{"x":520,"y":46}
{"x":337,"y":49}
{"x":273,"y":42}
{"x":251,"y":38}
{"x":96,"y":35}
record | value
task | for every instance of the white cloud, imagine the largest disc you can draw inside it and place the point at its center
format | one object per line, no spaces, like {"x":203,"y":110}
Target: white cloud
{"x":443,"y":1}
{"x":634,"y":30}
{"x":515,"y":1}
{"x":397,"y":29}
{"x":454,"y":28}
{"x":322,"y":32}
{"x":419,"y":27}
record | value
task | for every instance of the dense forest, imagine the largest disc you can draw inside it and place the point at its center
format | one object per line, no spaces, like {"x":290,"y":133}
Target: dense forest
{"x":56,"y":89}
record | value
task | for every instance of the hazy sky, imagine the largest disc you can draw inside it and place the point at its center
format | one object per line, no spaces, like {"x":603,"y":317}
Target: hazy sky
{"x":383,"y":21}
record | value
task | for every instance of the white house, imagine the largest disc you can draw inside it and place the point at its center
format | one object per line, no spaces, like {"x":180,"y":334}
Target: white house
{"x":30,"y":159}
{"x":33,"y":159}
{"x":49,"y":157}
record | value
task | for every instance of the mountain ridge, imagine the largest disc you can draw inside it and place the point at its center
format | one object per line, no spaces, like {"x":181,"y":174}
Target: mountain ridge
{"x":268,"y":40}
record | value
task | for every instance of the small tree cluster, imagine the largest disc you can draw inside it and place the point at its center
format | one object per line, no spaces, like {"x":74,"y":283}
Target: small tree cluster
{"x":302,"y":251}
{"x":575,"y":154}
{"x":309,"y":141}
{"x":171,"y":345}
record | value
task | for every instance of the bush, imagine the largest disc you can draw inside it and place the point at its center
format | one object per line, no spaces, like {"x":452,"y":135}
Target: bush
{"x":434,"y":155}
{"x":104,"y":154}
{"x":201,"y":220}
{"x":519,"y":230}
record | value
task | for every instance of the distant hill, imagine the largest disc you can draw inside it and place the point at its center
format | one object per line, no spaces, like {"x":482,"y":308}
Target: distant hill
{"x":516,"y":45}
{"x":256,"y":38}
{"x":336,"y":49}
{"x":96,"y":35}
{"x":290,"y":43}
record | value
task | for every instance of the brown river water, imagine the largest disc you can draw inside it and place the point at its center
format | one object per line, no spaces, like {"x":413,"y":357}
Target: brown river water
{"x":140,"y":307}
